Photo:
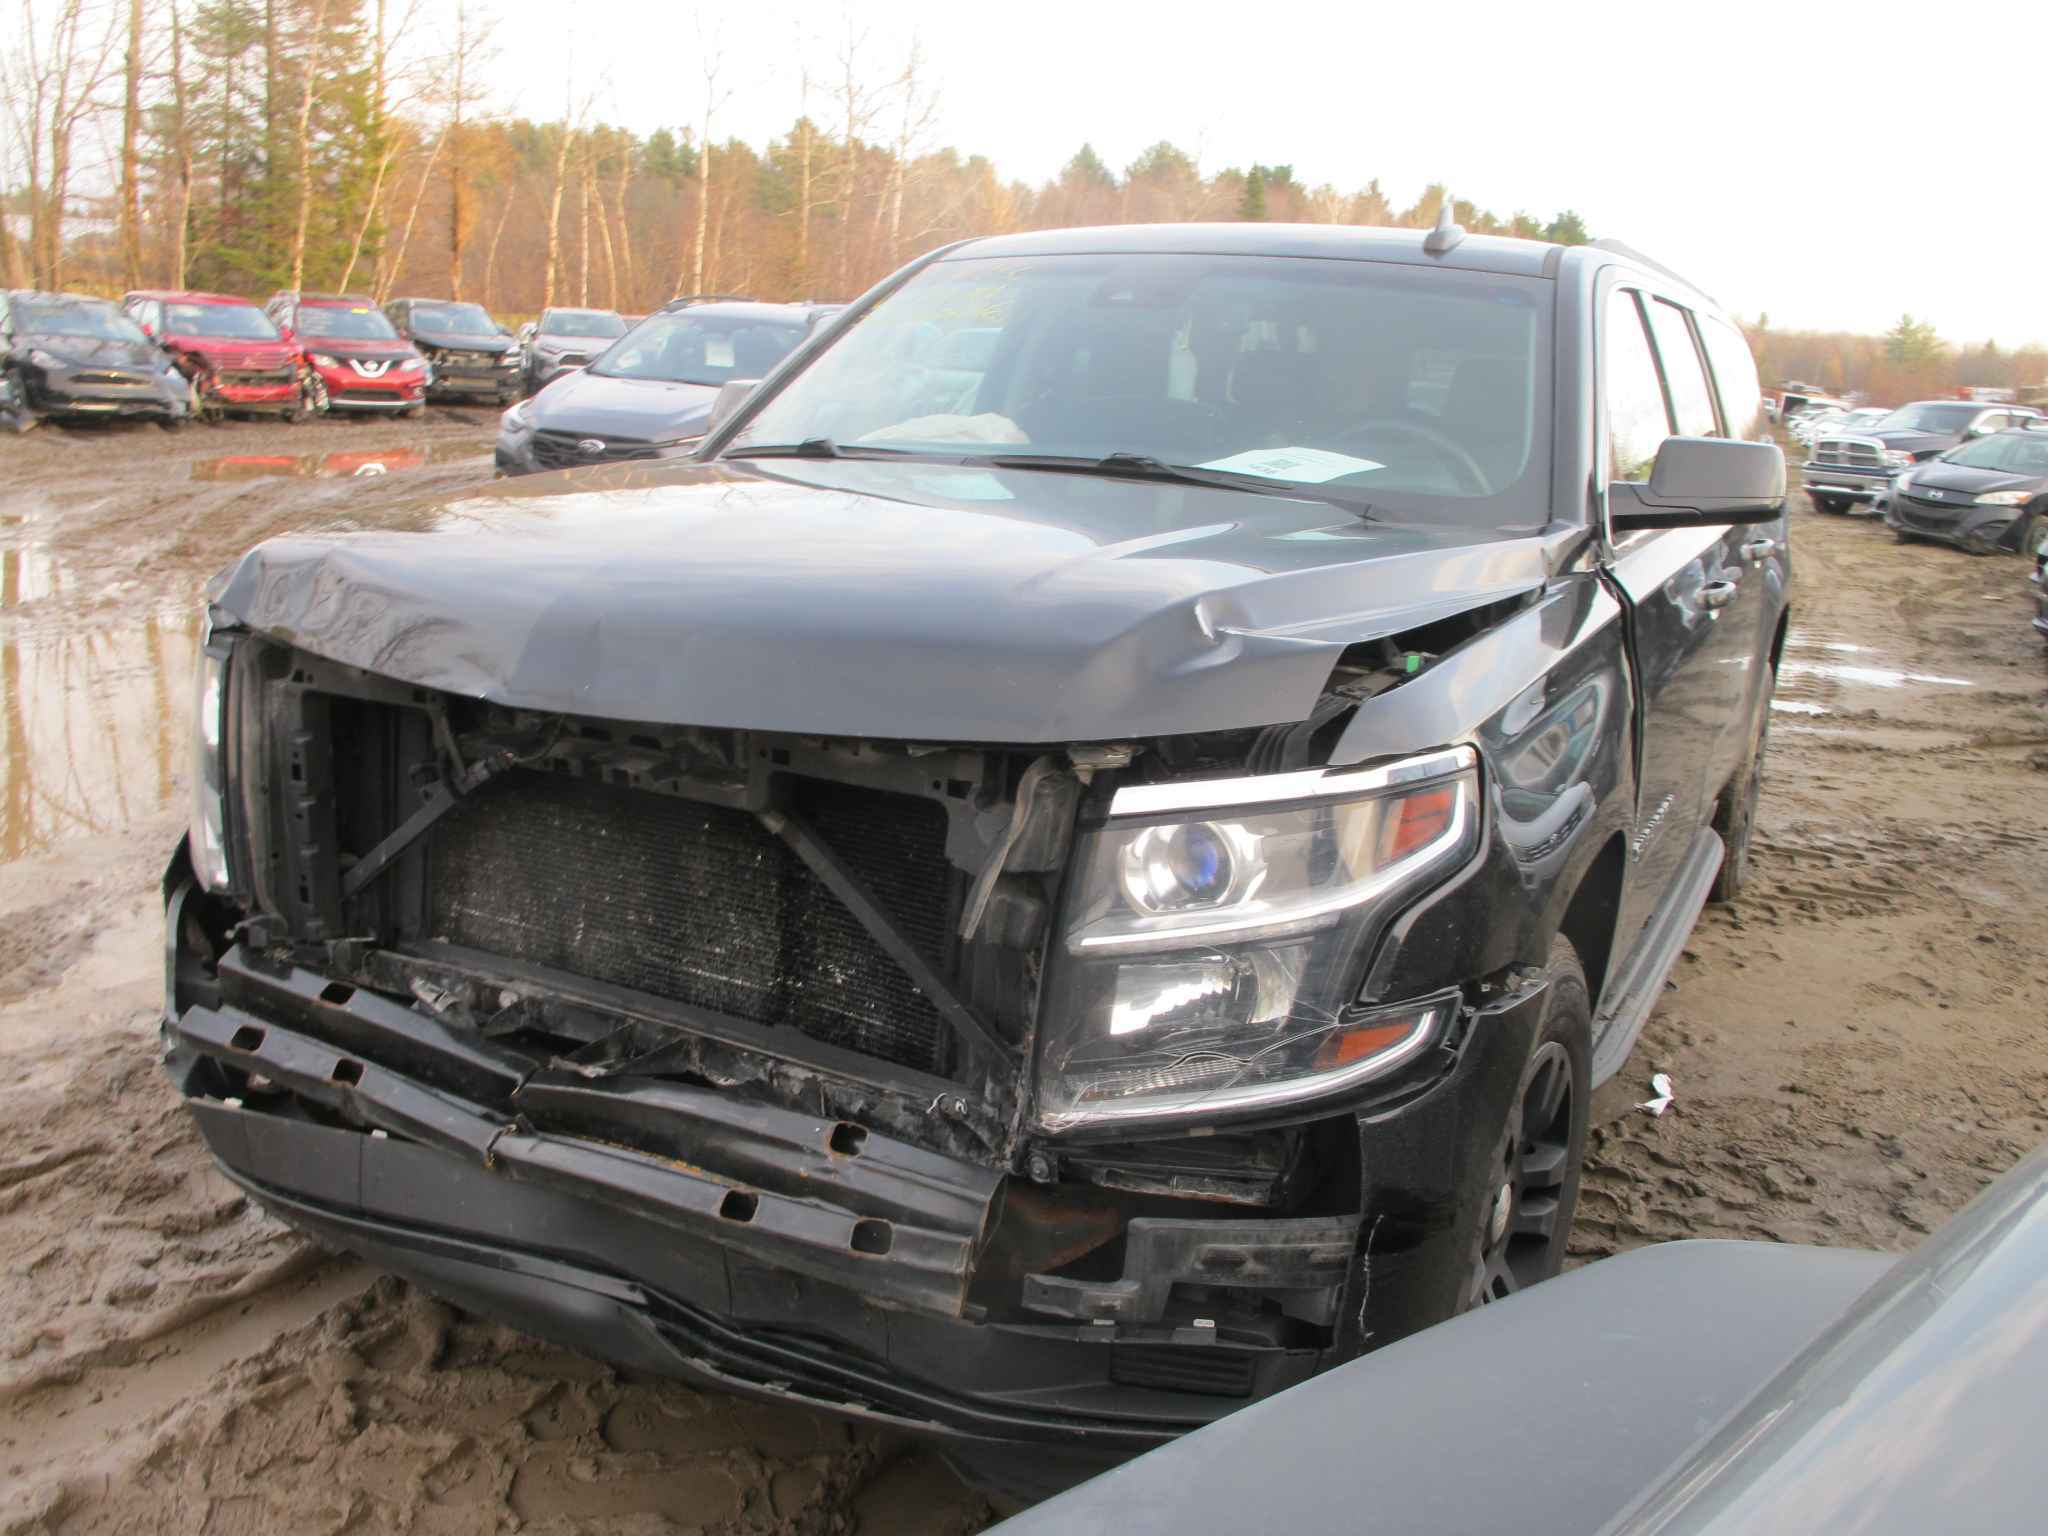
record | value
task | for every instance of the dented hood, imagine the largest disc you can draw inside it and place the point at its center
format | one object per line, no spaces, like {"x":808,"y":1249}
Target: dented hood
{"x":907,"y":601}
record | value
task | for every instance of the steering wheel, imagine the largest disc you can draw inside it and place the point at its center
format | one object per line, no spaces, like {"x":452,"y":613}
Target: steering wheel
{"x":1448,"y":449}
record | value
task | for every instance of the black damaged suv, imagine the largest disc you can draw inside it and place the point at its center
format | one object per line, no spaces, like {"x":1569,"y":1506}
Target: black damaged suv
{"x":1045,"y":885}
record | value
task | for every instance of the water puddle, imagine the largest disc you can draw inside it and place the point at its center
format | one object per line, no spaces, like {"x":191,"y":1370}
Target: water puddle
{"x":1798,"y":707}
{"x":93,"y":722}
{"x":328,"y":466}
{"x":1873,"y":677}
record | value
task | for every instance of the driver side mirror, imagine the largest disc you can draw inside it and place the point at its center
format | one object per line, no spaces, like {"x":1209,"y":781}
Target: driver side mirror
{"x":732,"y":394}
{"x":1702,"y":482}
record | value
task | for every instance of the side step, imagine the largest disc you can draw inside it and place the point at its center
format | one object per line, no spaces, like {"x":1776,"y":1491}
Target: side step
{"x":1635,"y":988}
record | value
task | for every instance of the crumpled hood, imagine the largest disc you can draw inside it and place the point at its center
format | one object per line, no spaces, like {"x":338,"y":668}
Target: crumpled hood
{"x":646,"y":409}
{"x":457,"y":341}
{"x":226,"y":352}
{"x":902,"y":601}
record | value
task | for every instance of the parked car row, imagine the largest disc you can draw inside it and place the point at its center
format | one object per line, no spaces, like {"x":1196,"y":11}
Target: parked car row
{"x":173,"y":355}
{"x":1961,"y":471}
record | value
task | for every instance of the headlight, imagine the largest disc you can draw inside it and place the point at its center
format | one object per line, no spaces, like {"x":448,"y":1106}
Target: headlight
{"x":322,"y":360}
{"x":408,"y":365}
{"x":44,"y":359}
{"x":209,"y":785}
{"x":509,"y":359}
{"x":1897,"y":458}
{"x":518,"y":420}
{"x":1904,"y":482}
{"x":2005,"y":498}
{"x":1210,"y":951}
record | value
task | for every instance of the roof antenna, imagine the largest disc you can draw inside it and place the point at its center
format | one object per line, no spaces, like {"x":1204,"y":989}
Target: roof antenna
{"x":1446,"y":235}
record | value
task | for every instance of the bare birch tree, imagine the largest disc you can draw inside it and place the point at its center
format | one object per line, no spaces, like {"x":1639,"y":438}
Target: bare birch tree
{"x":711,"y":55}
{"x":131,"y":134}
{"x":316,"y":48}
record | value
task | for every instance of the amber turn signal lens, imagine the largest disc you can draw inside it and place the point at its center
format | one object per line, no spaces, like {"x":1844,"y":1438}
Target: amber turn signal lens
{"x":1417,"y":820}
{"x":1341,"y":1047}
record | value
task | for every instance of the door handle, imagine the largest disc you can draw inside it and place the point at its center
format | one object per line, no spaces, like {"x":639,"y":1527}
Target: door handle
{"x":1758,"y":549}
{"x":1717,"y":594}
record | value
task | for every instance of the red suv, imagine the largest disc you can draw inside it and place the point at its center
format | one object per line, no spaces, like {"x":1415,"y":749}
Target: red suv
{"x":228,"y":349}
{"x":349,"y":356}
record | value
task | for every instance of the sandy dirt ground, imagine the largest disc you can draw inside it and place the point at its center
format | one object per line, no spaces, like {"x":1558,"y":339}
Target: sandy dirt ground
{"x":1856,"y":1047}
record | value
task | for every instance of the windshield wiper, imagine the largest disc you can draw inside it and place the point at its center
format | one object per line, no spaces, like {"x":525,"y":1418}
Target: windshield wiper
{"x":809,"y":448}
{"x":1143,"y":466}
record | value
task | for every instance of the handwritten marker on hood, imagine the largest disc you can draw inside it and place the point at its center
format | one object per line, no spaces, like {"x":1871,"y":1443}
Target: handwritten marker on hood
{"x":1660,"y":1085}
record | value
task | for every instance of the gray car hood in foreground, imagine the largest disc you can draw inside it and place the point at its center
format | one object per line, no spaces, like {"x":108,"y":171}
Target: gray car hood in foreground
{"x":1545,"y":1414}
{"x":907,"y":601}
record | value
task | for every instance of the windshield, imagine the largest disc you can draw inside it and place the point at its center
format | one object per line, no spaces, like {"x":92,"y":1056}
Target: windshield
{"x":1869,"y":416}
{"x":454,"y":319}
{"x":581,"y":322}
{"x":694,"y":346}
{"x":101,"y":322}
{"x":1425,"y":390}
{"x":2016,"y":453}
{"x":1932,"y":417}
{"x":233,"y":322}
{"x":358,"y":322}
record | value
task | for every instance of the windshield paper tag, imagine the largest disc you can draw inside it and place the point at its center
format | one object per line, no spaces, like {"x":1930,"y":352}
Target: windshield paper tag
{"x":1308,"y":465}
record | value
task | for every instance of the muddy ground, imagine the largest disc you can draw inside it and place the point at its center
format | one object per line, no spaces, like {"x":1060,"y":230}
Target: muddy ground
{"x":1856,"y":1048}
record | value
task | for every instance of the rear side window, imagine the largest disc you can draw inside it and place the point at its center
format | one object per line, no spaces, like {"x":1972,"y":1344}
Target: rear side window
{"x":1690,"y":398}
{"x":1636,"y":421}
{"x":1742,"y":397}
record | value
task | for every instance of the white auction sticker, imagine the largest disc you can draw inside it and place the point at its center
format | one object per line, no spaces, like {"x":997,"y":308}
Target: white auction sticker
{"x":1309,"y":465}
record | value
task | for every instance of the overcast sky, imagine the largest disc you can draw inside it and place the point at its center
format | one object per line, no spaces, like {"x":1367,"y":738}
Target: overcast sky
{"x":1832,"y":165}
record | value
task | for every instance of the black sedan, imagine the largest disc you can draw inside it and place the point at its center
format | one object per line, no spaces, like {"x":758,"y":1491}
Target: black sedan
{"x":1983,"y":495}
{"x":473,"y":357}
{"x":650,"y":395}
{"x":68,"y":356}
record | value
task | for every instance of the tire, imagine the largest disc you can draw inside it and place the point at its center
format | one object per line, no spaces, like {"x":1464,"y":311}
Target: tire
{"x":1835,"y":506}
{"x":1735,"y":816}
{"x":1524,"y":1230}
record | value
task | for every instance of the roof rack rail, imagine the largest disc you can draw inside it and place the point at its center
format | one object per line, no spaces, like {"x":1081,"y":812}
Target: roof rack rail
{"x":1618,"y":248}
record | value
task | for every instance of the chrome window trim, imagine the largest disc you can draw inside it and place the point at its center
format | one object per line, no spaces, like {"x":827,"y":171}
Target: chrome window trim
{"x":1278,"y":788}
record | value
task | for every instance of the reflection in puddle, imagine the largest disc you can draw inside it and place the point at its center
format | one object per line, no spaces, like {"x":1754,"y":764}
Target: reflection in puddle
{"x":1875,"y":677}
{"x":1798,"y":707}
{"x":328,"y":466}
{"x":92,"y":725}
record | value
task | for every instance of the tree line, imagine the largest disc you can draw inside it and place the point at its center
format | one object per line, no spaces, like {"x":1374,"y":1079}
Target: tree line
{"x":250,"y":145}
{"x":1908,"y":362}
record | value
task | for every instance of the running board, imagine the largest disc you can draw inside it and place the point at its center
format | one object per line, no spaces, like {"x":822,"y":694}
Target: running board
{"x":1635,"y":988}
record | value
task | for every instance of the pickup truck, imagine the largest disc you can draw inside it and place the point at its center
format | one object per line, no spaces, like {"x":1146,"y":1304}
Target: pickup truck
{"x":1843,"y":468}
{"x":1036,"y":910}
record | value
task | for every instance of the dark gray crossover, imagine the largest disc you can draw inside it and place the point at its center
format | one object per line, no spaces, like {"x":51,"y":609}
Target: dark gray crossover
{"x":650,"y":394}
{"x":65,"y":355}
{"x":1076,"y":866}
{"x":472,"y":356}
{"x":1985,"y":495}
{"x":1687,"y":1389}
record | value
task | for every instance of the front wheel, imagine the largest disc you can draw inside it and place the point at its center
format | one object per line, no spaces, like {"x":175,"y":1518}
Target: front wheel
{"x":1526,"y":1221}
{"x":1822,"y":502}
